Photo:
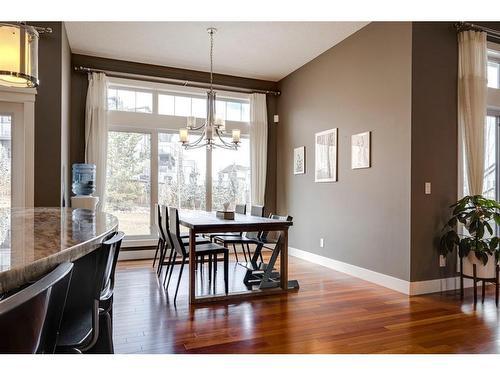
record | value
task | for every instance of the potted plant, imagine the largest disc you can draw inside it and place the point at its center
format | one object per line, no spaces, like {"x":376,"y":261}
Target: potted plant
{"x":478,"y":244}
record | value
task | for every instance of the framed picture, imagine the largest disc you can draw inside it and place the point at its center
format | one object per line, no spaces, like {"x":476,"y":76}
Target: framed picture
{"x":299,"y":160}
{"x":326,"y":156}
{"x":360,"y":150}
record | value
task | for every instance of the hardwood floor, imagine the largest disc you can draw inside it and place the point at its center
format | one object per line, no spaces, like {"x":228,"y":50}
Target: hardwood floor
{"x":331,"y":313}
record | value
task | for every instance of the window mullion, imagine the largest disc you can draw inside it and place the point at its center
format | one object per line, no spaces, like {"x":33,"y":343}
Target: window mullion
{"x":208,"y":180}
{"x":154,"y":175}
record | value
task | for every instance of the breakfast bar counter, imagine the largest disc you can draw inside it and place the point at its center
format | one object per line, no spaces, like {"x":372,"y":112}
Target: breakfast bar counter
{"x":35,"y":240}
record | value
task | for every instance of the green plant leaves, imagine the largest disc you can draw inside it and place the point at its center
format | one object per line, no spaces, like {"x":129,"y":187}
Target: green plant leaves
{"x":474,"y":213}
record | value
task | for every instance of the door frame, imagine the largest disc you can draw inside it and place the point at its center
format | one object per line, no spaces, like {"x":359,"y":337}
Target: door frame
{"x":21,"y":104}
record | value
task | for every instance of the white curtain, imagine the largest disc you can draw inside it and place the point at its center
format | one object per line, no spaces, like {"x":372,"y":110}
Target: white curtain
{"x":472,"y":101}
{"x":96,"y":131}
{"x":258,"y":147}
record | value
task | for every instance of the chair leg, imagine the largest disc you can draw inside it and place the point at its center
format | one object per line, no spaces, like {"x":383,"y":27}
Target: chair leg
{"x":482,"y":292}
{"x":475,"y":285}
{"x":156,"y":253}
{"x":244,"y":253}
{"x":235,"y":252}
{"x":461,"y":280}
{"x":171,"y":270}
{"x":179,"y":280}
{"x":226,"y":272}
{"x":249,"y":252}
{"x":215,"y":271}
{"x":496,"y":286}
{"x":160,"y":254}
{"x":210,"y":267}
{"x":169,"y":263}
{"x":161,"y":258}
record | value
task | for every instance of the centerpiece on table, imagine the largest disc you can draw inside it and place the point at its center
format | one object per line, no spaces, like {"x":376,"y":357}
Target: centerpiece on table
{"x":225,"y":214}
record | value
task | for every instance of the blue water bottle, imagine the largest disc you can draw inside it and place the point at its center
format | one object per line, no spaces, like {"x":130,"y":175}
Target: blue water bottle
{"x":83,"y":179}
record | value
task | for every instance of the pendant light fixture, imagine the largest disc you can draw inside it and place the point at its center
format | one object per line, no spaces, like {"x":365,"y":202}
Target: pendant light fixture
{"x":19,"y":54}
{"x":214,"y":128}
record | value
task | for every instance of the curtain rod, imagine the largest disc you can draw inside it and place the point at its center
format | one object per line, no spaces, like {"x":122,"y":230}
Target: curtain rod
{"x":462,"y":26}
{"x":172,"y":81}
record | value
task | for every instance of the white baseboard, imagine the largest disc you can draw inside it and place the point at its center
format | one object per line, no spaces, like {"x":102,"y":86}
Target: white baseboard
{"x":136,"y":254}
{"x":391,"y":282}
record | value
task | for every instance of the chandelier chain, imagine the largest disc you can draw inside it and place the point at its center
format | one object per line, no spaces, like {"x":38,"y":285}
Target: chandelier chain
{"x":211,"y":57}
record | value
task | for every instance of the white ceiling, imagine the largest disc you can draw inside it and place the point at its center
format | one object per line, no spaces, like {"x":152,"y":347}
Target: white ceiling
{"x":262,"y":50}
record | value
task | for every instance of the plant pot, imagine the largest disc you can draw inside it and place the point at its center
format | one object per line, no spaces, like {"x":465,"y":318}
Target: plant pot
{"x":487,"y":271}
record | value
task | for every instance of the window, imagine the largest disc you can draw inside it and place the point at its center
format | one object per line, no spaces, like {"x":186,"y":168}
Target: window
{"x":181,"y":173}
{"x":489,"y":183}
{"x":129,"y":101}
{"x":5,"y":160}
{"x":231,"y":175}
{"x":176,"y":104}
{"x":128,"y":183}
{"x":493,"y":74}
{"x":147,"y":163}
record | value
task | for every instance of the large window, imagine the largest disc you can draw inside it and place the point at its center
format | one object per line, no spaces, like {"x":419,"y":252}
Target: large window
{"x":490,"y":157}
{"x":5,"y":160}
{"x":130,"y":100}
{"x":125,"y":99}
{"x":493,"y":74}
{"x":147,"y":164}
{"x":181,"y":174}
{"x":231,"y":175}
{"x":128,"y":184}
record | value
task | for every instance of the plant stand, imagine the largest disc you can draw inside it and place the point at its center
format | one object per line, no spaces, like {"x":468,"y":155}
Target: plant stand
{"x":493,"y":280}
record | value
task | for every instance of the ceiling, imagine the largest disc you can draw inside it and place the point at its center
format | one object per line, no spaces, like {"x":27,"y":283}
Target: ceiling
{"x":262,"y":50}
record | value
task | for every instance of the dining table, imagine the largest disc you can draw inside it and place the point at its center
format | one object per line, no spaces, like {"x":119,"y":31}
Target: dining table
{"x":271,"y":281}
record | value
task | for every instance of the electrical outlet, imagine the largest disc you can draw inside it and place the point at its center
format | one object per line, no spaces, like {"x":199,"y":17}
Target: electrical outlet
{"x":276,"y":118}
{"x":442,"y":261}
{"x":321,"y":242}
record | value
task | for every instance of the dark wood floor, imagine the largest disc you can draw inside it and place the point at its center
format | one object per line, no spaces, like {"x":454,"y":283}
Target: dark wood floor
{"x":332,"y":313}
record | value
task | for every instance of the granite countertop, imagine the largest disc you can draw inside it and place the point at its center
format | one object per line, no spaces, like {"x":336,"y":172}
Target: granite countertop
{"x":34,"y":240}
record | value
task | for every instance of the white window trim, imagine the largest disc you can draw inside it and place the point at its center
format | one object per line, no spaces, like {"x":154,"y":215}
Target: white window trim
{"x":23,"y":144}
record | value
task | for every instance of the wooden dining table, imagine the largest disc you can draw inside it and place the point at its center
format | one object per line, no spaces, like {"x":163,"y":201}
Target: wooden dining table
{"x":199,"y":222}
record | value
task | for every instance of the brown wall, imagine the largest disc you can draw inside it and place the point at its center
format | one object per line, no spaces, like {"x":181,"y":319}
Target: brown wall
{"x":363,"y":83}
{"x":65,"y":118}
{"x":434,"y":142}
{"x":79,"y":94}
{"x":51,"y":115}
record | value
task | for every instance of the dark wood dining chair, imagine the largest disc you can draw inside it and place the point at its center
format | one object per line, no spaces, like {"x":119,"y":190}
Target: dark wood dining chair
{"x":168,"y":244}
{"x":239,"y":209}
{"x":209,"y":249}
{"x":30,"y":319}
{"x":93,"y":280}
{"x":107,"y":292}
{"x":161,"y":236}
{"x":241,"y":238}
{"x":256,"y":272}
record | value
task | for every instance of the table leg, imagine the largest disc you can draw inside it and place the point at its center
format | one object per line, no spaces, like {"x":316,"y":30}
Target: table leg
{"x":192,"y":264}
{"x":284,"y":261}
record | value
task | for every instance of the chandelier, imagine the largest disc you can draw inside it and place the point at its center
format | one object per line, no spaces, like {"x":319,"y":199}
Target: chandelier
{"x":19,"y":54}
{"x":214,"y":128}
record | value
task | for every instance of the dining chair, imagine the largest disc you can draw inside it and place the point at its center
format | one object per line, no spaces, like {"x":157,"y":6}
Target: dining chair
{"x":242,"y":238}
{"x":209,"y":249}
{"x":161,"y":235}
{"x":256,"y":273}
{"x":107,"y":292}
{"x":168,"y":245}
{"x":30,"y":319}
{"x":239,"y":209}
{"x":93,"y":279}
